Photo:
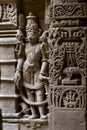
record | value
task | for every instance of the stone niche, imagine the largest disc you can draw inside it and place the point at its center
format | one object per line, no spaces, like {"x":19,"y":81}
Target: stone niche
{"x":43,"y":64}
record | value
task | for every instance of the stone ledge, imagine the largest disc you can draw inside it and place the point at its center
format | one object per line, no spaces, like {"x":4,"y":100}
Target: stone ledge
{"x":8,"y":96}
{"x":8,"y":61}
{"x":7,"y":79}
{"x":8,"y":41}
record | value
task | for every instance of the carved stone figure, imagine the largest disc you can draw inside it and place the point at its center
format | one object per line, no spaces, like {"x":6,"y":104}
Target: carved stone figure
{"x":50,"y":64}
{"x":31,"y":73}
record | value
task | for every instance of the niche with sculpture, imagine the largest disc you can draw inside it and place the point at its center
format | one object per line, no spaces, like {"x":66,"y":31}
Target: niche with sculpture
{"x":31,"y":77}
{"x":57,"y":57}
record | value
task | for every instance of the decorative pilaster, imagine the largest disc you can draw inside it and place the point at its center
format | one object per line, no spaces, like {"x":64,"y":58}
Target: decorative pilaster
{"x":8,"y":31}
{"x":66,"y":38}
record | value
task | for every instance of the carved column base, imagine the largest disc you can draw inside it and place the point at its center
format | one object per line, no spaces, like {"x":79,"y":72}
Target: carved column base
{"x":24,"y":124}
{"x":68,"y":108}
{"x":10,"y":124}
{"x":69,"y":120}
{"x":33,"y":124}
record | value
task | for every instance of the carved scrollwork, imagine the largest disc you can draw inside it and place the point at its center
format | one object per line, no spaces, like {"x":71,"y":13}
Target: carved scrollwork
{"x":58,"y":63}
{"x":68,"y":98}
{"x":78,"y":33}
{"x":12,"y":13}
{"x":67,"y":1}
{"x":68,"y":10}
{"x":8,"y":12}
{"x":71,"y":99}
{"x":65,"y":23}
{"x":67,"y":54}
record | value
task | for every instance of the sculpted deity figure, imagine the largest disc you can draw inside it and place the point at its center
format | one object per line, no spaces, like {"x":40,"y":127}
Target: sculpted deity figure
{"x":31,"y":72}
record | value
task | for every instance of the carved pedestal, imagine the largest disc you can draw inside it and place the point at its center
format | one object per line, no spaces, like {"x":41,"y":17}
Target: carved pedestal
{"x":68,"y":108}
{"x":37,"y":124}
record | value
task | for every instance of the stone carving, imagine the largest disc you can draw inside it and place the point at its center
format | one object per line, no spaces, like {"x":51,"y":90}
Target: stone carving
{"x":68,"y":57}
{"x":65,"y":23}
{"x":8,"y":12}
{"x":66,"y":39}
{"x":31,"y":75}
{"x":68,"y":1}
{"x":74,"y":10}
{"x":51,"y":66}
{"x":68,"y":98}
{"x":67,"y":65}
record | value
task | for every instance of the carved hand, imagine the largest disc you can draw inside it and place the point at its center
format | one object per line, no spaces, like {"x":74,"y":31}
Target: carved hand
{"x":17,"y":78}
{"x":42,"y":77}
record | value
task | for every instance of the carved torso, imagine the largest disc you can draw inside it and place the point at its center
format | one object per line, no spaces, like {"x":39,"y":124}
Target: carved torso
{"x":33,"y":56}
{"x":31,"y":67}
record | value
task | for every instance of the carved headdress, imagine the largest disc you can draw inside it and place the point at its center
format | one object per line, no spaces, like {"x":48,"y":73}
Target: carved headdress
{"x":32,"y":23}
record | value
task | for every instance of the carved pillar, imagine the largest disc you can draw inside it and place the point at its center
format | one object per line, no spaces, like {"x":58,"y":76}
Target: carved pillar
{"x":8,"y":31}
{"x":67,"y":64}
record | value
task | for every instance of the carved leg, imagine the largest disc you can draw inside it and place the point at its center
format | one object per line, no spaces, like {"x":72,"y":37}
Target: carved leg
{"x":40,"y":98}
{"x":31,"y":97}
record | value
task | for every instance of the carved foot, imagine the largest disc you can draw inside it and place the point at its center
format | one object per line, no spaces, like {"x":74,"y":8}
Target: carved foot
{"x":43,"y":117}
{"x":33,"y":117}
{"x":26,"y":116}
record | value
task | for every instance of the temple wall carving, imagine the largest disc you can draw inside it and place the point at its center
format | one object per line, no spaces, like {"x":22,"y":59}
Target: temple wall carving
{"x":43,"y":64}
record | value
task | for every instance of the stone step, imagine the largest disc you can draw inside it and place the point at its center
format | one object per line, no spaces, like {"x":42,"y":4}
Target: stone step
{"x":8,"y":61}
{"x":7,"y":25}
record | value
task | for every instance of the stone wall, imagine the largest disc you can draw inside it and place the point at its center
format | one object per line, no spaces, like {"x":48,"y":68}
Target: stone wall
{"x":43,"y":64}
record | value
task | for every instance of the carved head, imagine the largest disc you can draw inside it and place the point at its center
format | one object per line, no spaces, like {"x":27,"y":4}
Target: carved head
{"x":32,"y":29}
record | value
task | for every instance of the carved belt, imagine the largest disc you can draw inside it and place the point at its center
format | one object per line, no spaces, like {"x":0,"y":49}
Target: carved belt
{"x":33,"y":87}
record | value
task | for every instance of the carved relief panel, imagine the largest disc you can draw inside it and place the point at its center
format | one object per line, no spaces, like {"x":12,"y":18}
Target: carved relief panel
{"x":67,"y":65}
{"x":47,"y":69}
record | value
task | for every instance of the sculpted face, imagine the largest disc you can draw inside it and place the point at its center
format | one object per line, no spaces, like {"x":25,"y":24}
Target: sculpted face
{"x":32,"y":36}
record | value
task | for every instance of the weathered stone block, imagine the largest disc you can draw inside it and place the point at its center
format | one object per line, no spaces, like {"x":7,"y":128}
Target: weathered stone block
{"x":10,"y":126}
{"x":7,"y":71}
{"x":7,"y":104}
{"x":7,"y":88}
{"x":69,"y":120}
{"x":6,"y":53}
{"x":36,"y":124}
